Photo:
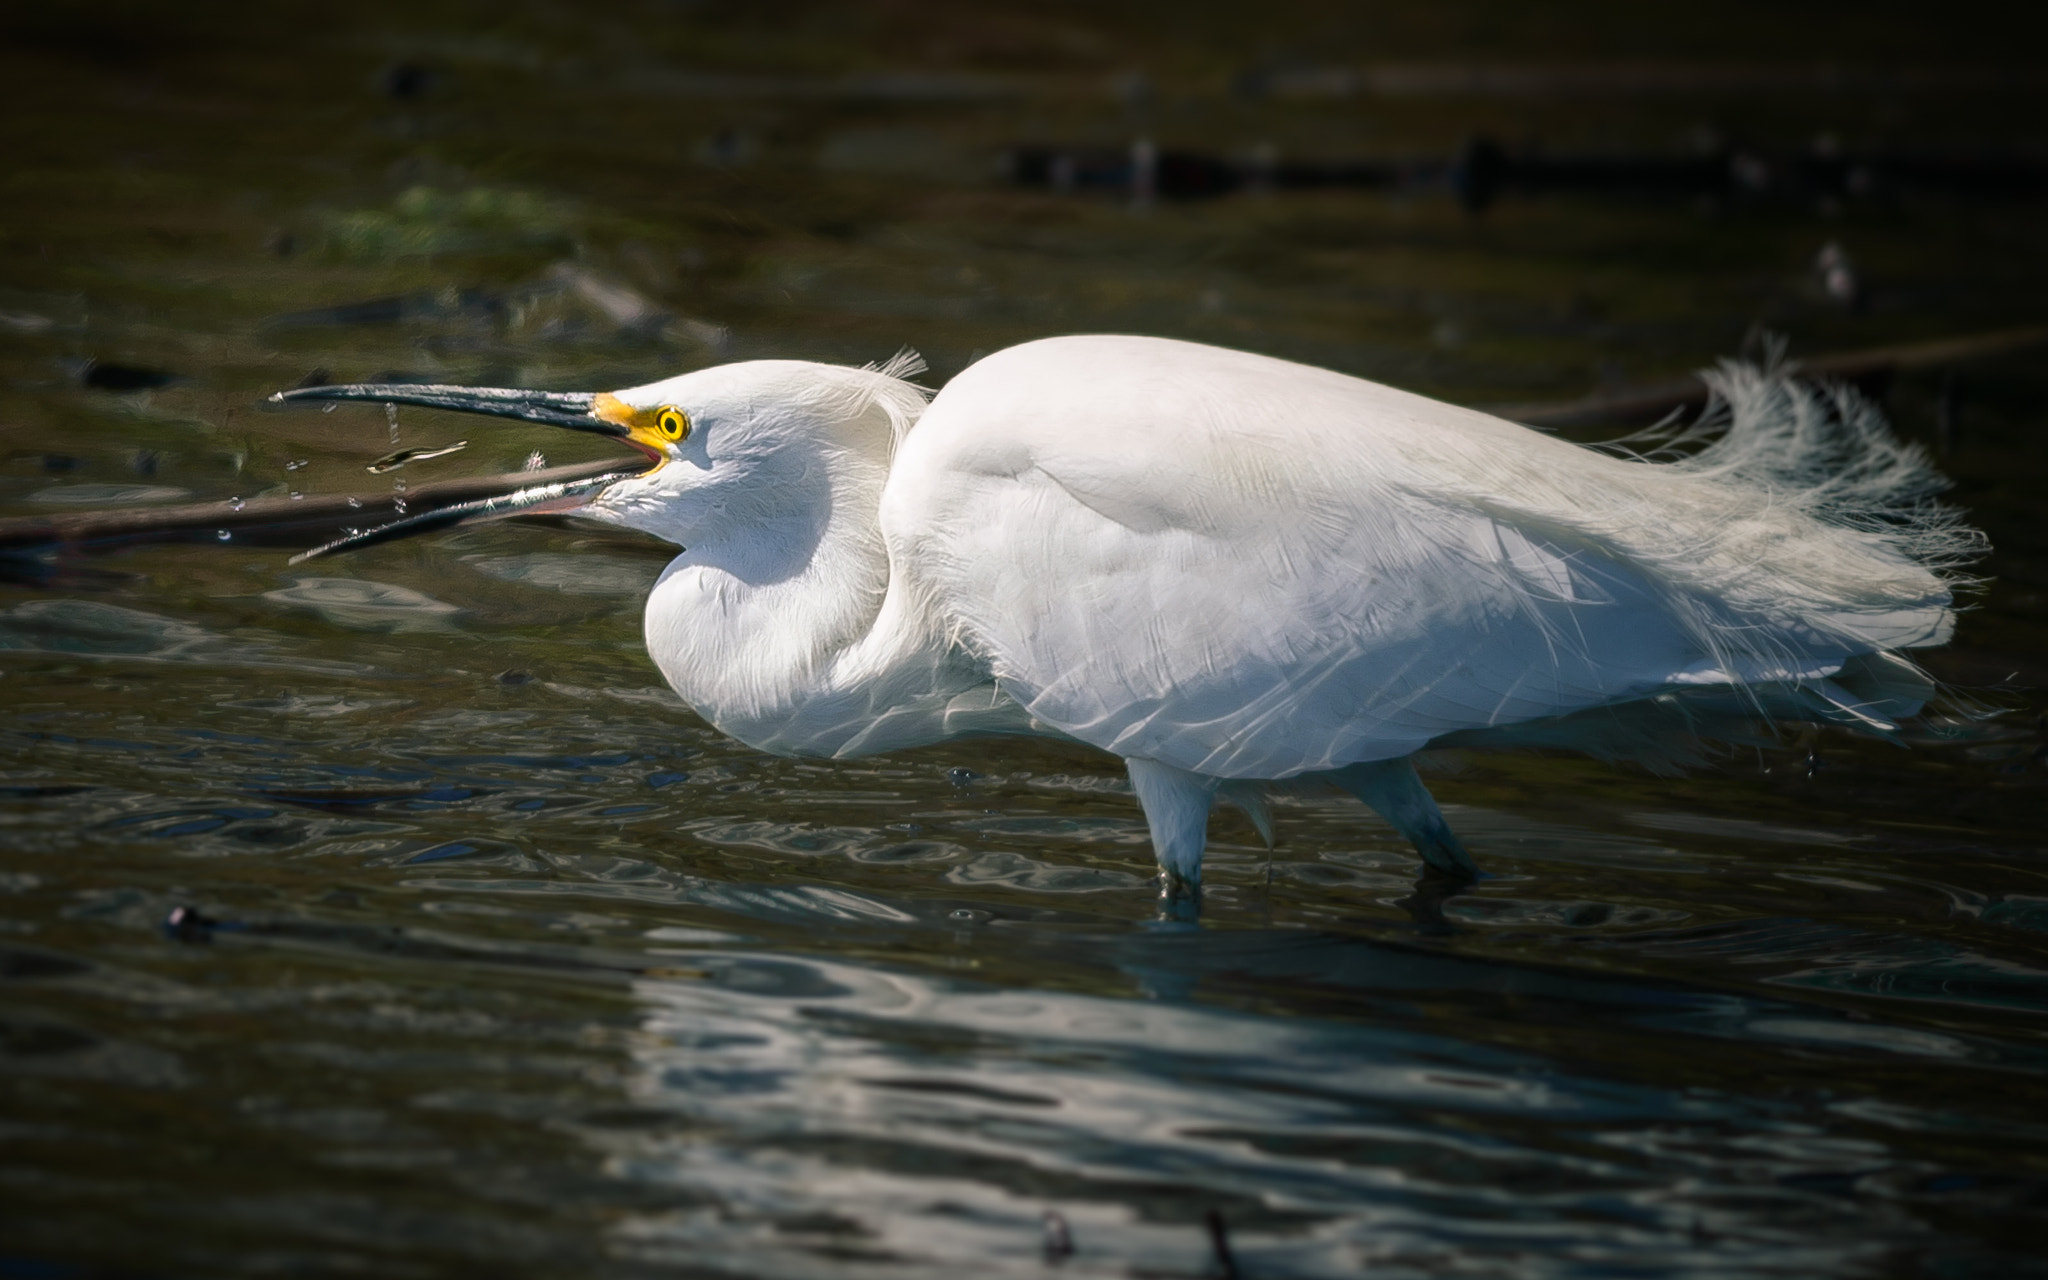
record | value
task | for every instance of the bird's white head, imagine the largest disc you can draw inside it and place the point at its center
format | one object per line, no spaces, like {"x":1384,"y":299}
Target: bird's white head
{"x":732,"y":447}
{"x":764,"y":440}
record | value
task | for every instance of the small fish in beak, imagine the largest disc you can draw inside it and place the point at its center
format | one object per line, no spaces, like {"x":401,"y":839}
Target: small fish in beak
{"x":393,"y":461}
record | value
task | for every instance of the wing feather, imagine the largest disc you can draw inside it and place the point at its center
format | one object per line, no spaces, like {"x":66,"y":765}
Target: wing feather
{"x":1251,"y":569}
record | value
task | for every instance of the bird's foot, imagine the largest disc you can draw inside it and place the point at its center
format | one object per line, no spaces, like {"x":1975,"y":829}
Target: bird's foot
{"x":1444,"y":855}
{"x":1433,"y":888}
{"x":1180,"y":898}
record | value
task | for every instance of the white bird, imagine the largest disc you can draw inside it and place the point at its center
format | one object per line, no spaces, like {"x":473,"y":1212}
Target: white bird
{"x":1230,"y":570}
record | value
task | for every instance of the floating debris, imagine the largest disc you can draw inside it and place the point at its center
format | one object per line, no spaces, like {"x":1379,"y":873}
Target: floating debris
{"x":101,"y":376}
{"x":1837,"y":275}
{"x":190,"y":924}
{"x":1059,"y":1240}
{"x":619,"y":302}
{"x":393,"y":461}
{"x":1219,"y":1241}
{"x":410,"y":81}
{"x":24,"y":322}
{"x":623,"y":309}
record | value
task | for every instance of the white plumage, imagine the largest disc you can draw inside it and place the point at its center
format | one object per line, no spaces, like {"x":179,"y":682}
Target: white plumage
{"x":1230,"y":569}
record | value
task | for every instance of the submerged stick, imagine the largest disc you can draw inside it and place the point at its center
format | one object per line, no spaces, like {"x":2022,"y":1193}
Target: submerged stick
{"x":298,"y":524}
{"x":1647,"y":404}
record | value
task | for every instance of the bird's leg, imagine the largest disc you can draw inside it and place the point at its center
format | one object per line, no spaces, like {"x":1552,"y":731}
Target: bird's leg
{"x":1392,"y":790}
{"x":1176,"y":805}
{"x":1251,"y":798}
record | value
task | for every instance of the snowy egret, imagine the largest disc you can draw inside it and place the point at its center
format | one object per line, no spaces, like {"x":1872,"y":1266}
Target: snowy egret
{"x":1231,"y":570}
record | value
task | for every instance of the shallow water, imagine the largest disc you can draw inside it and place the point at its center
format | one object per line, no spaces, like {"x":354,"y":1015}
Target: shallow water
{"x":495,"y":959}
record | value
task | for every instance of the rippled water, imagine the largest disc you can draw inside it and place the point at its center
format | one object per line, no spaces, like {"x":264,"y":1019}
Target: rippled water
{"x":386,"y":915}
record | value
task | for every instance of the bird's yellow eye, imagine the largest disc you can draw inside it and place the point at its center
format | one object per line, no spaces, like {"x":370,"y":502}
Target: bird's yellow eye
{"x":674,"y":423}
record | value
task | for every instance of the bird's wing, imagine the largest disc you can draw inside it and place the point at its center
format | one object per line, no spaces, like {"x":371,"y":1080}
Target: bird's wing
{"x":1249,"y":568}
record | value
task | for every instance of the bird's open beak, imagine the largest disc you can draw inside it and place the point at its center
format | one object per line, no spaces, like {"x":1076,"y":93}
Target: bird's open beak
{"x":576,"y":410}
{"x":556,"y":498}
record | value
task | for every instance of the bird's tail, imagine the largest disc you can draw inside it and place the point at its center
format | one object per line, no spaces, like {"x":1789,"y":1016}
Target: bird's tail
{"x":1824,"y":542}
{"x":1819,"y":450}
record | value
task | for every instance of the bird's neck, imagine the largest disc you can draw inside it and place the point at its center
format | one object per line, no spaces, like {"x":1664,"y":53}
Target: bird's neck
{"x":755,"y":625}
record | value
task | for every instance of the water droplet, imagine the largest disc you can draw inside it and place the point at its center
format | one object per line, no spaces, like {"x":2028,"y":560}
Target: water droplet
{"x":398,"y":484}
{"x":223,"y":535}
{"x":391,"y":418}
{"x":236,"y":504}
{"x":353,"y":530}
{"x":535,"y":461}
{"x":295,"y":464}
{"x":398,"y":505}
{"x":329,"y":407}
{"x":295,"y":495}
{"x":355,"y":501}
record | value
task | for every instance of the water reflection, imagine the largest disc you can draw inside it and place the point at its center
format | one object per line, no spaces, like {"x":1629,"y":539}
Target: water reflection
{"x":826,"y":1113}
{"x":366,"y":606}
{"x":846,"y":1020}
{"x":582,"y":574}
